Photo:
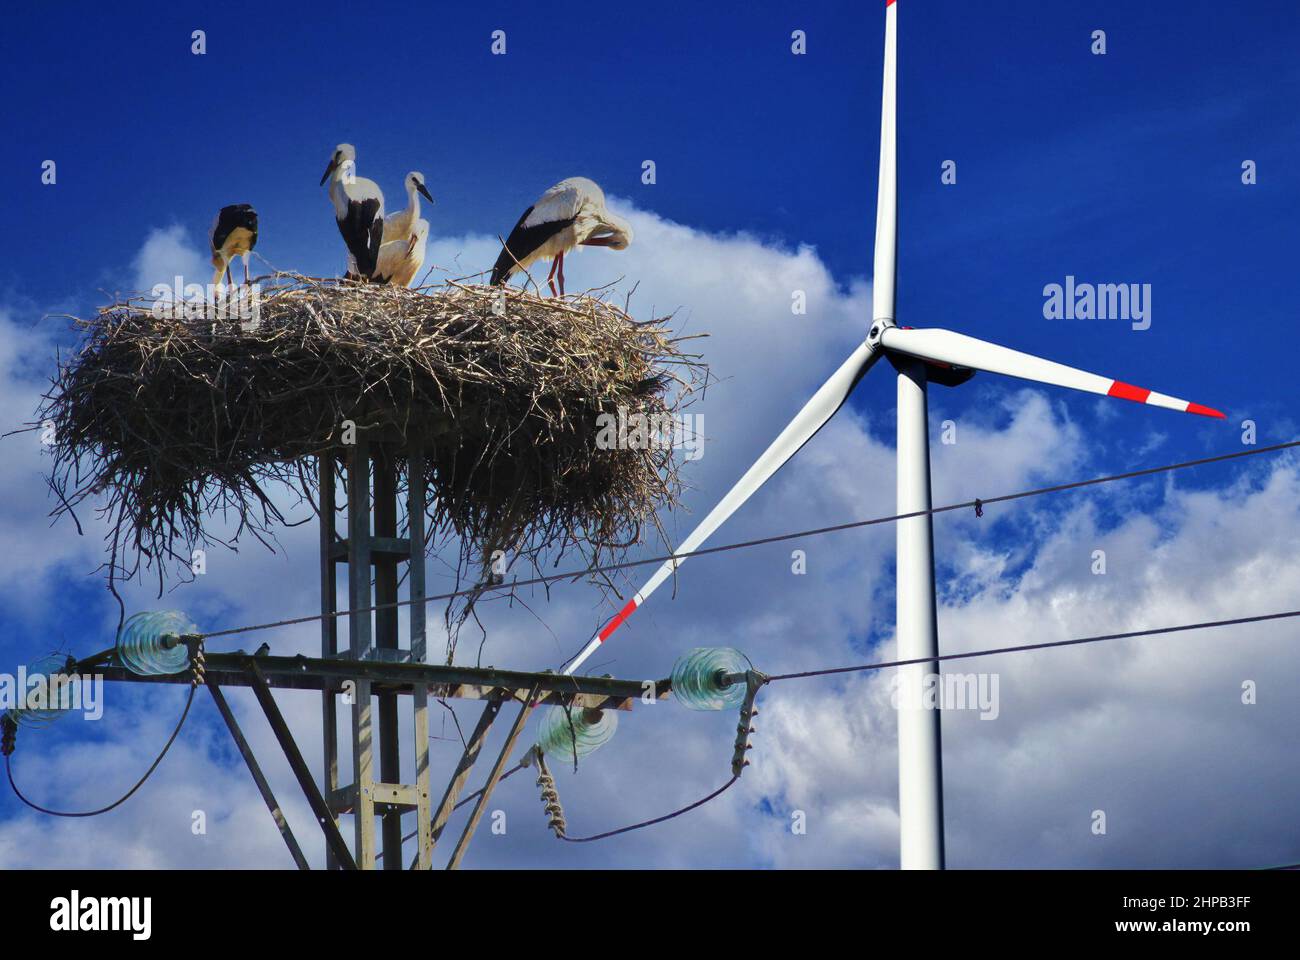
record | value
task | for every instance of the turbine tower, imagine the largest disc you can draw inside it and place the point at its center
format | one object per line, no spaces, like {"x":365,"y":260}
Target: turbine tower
{"x":919,"y":357}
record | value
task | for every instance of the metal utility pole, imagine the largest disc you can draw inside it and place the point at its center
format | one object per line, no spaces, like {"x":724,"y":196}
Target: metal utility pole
{"x":375,"y":637}
{"x":332,"y":676}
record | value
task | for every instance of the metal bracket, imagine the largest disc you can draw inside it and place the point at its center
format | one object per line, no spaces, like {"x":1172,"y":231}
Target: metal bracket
{"x":263,"y":786}
{"x":525,"y":709}
{"x":753,"y":681}
{"x":467,"y":761}
{"x":300,"y":769}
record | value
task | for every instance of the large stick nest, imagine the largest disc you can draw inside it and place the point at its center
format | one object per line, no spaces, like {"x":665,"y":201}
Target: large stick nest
{"x":167,"y":423}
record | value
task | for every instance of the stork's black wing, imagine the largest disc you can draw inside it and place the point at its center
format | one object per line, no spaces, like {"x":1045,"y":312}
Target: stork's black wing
{"x":231,"y":218}
{"x":363,"y":231}
{"x":521,"y":242}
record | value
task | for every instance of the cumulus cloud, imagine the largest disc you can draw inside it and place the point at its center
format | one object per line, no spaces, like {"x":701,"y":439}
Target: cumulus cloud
{"x":29,"y":571}
{"x":1151,"y":731}
{"x":167,"y":253}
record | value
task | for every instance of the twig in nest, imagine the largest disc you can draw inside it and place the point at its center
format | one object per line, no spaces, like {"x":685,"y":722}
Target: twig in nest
{"x":163,"y":423}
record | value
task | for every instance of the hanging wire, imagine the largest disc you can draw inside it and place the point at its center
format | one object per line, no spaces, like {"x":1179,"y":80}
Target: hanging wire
{"x":1151,"y":632}
{"x":197,"y":668}
{"x":882,"y":665}
{"x":126,"y":796}
{"x":650,"y":823}
{"x":705,"y":551}
{"x":979,"y":503}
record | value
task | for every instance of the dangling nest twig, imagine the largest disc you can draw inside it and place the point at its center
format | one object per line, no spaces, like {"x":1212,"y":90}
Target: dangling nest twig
{"x":169,"y":422}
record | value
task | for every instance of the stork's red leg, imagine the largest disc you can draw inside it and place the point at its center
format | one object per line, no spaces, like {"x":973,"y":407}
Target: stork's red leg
{"x":560,"y":263}
{"x":550,"y":277}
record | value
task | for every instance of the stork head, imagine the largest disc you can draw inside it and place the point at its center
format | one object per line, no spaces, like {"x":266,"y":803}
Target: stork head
{"x":415,"y":182}
{"x":344,"y":153}
{"x":616,"y":232}
{"x":419,"y":236}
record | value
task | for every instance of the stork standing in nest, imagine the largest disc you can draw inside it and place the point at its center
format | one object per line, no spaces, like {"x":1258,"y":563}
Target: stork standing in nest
{"x":233,"y":234}
{"x":400,"y":259}
{"x":358,"y":210}
{"x":400,"y":225}
{"x":568,"y":215}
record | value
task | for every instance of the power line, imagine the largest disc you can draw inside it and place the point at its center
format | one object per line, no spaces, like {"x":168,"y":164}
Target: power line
{"x":650,"y":823}
{"x":126,"y":796}
{"x":704,"y":551}
{"x":977,"y":503}
{"x":880,"y":665}
{"x":1154,"y":631}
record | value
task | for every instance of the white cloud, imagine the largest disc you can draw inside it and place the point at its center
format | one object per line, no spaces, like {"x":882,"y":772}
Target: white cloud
{"x":1153,"y":731}
{"x":168,"y":253}
{"x":1139,"y":728}
{"x":28,"y":581}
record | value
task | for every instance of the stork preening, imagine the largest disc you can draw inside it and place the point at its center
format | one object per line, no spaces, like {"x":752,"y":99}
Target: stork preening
{"x":358,"y":209}
{"x":568,"y":215}
{"x":400,"y":259}
{"x":233,"y":234}
{"x":400,"y":225}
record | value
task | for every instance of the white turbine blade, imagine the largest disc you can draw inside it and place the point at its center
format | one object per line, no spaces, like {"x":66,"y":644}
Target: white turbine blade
{"x":814,"y":415}
{"x":944,"y":346}
{"x":886,"y":262}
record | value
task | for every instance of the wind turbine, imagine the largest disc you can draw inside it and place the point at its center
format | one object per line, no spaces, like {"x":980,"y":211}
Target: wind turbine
{"x":919,"y":356}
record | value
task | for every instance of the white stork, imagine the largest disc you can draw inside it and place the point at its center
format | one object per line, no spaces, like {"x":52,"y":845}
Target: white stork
{"x":570,"y":214}
{"x":400,"y":260}
{"x":233,"y":234}
{"x":399,"y":225}
{"x":359,"y":210}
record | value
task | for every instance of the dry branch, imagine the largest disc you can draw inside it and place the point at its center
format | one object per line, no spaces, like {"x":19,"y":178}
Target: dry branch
{"x":164,"y":423}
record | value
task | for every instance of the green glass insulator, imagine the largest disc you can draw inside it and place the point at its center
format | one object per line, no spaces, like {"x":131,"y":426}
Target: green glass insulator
{"x":149,"y":643}
{"x":589,"y":730}
{"x":697,"y":678}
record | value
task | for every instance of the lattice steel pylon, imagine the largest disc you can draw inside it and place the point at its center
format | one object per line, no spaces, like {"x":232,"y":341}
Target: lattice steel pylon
{"x":375,"y":636}
{"x":373,"y":674}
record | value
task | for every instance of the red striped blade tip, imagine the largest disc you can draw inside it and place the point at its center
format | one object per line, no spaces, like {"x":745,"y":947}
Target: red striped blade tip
{"x":1126,"y":391}
{"x":617,"y":622}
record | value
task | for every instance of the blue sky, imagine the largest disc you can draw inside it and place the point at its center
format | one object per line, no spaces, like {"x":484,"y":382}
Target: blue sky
{"x":1122,"y":167}
{"x":1117,"y":168}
